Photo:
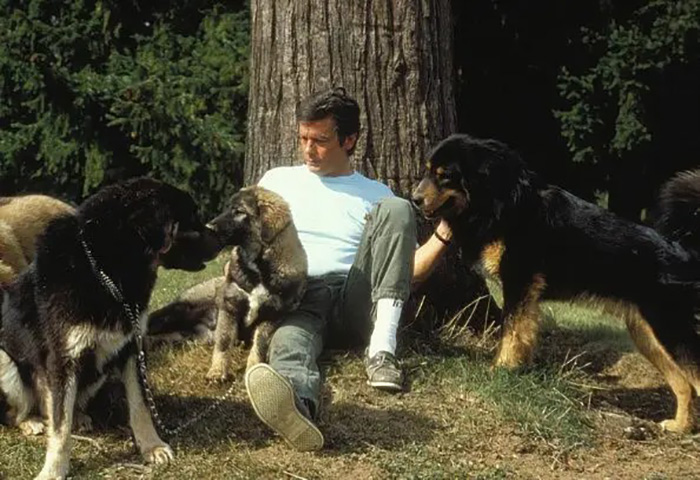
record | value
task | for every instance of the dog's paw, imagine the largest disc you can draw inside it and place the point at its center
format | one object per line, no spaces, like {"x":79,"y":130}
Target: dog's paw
{"x":508,"y":362}
{"x":218,"y":374}
{"x":32,"y":426}
{"x":53,"y":472}
{"x":43,"y":476}
{"x":675,"y":426}
{"x":82,"y":422}
{"x":159,"y":454}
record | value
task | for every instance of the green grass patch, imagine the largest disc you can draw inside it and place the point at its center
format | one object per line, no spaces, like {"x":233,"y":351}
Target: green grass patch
{"x":460,"y":419}
{"x":541,"y":402}
{"x":592,"y":322}
{"x":171,"y":283}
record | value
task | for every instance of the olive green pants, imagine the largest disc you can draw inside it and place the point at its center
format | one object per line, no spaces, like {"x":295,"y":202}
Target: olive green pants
{"x":338,"y":309}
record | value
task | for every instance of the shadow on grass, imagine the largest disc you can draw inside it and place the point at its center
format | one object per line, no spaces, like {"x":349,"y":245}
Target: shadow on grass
{"x":650,"y":404}
{"x":352,"y":428}
{"x":596,"y":348}
{"x":231,"y":419}
{"x":348,"y":427}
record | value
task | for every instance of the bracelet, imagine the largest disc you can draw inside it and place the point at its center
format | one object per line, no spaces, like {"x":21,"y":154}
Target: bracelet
{"x":442,"y":239}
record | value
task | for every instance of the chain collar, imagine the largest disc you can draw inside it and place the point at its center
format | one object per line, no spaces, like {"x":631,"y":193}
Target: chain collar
{"x":133,"y":313}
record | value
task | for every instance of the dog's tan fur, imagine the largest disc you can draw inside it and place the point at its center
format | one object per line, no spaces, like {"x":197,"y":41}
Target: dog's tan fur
{"x":242,"y":304}
{"x":22,"y":220}
{"x":276,"y":240}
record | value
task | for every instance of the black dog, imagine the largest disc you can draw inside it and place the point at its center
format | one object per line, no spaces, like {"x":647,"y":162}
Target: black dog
{"x":73,"y":317}
{"x":545,"y":243}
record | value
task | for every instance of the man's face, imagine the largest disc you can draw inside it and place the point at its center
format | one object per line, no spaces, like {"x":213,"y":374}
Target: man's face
{"x":321,"y":149}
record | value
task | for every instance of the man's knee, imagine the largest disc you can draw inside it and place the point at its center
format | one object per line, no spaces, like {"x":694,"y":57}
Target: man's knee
{"x":397,"y":212}
{"x":292,"y":338}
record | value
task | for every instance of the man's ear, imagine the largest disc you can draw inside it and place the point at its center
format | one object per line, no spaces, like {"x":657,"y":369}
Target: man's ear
{"x":349,"y":142}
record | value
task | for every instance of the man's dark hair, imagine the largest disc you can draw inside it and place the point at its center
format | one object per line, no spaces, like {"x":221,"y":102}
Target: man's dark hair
{"x":335,"y":103}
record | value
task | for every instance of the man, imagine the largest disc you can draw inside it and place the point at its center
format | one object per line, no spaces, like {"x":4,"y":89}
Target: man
{"x":360,"y":241}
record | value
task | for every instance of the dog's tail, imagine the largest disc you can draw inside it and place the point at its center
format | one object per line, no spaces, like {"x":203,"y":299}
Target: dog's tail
{"x":679,"y":210}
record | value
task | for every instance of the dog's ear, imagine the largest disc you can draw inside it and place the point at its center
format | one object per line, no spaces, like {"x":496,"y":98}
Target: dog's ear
{"x":274,"y":214}
{"x":153,"y":222}
{"x":465,"y":188}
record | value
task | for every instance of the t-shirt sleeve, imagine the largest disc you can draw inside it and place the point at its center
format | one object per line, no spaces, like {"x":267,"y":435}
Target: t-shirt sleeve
{"x":267,"y":180}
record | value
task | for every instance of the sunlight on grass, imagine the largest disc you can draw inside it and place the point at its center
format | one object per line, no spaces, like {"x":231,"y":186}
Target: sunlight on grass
{"x":594,"y":324}
{"x":171,"y":283}
{"x":460,"y":418}
{"x":542,"y":402}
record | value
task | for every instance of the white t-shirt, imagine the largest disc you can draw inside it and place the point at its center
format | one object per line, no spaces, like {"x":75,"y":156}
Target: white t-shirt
{"x":329,"y":212}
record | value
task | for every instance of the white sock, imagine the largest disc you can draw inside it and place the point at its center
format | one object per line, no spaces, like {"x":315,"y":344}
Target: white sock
{"x":385,"y":327}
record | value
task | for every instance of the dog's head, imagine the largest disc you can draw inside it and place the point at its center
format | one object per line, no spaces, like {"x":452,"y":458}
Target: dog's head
{"x":678,"y":216}
{"x":254,"y":215}
{"x":152,"y":217}
{"x":467,"y":175}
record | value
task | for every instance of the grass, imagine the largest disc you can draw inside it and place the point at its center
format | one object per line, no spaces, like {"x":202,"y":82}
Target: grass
{"x":564,"y":418}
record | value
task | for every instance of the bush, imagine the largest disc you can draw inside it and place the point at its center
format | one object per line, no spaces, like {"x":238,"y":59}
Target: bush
{"x":93,"y":92}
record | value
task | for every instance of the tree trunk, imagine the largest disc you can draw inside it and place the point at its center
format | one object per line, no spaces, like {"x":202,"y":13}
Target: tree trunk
{"x":394,"y":57}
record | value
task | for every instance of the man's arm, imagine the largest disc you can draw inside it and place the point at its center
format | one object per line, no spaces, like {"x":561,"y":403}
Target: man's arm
{"x":430,"y":252}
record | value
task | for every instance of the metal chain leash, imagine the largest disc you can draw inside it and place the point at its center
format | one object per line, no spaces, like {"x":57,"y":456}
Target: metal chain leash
{"x":133,"y":314}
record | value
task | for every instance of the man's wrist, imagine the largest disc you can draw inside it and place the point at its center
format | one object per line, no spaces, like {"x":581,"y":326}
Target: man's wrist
{"x":441,"y":238}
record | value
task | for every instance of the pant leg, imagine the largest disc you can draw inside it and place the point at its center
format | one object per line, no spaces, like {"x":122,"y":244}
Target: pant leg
{"x":298,"y":342}
{"x":383,"y":268}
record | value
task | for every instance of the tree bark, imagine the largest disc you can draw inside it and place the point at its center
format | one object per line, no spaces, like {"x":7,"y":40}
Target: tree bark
{"x":393,"y":56}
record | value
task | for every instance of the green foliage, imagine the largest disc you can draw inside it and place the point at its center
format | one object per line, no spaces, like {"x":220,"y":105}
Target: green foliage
{"x":607,"y":114}
{"x":96,"y":91}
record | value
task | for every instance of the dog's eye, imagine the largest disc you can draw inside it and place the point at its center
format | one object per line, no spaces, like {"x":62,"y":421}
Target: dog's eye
{"x":442,"y":179}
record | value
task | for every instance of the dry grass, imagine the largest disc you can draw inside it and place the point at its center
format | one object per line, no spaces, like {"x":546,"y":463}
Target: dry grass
{"x":586,"y":411}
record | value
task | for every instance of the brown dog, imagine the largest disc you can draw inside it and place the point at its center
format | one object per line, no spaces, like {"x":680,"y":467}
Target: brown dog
{"x":22,"y":220}
{"x":265,"y":277}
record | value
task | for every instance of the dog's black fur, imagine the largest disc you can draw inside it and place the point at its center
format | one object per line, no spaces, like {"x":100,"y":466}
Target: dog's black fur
{"x":64,"y":331}
{"x":545,"y":243}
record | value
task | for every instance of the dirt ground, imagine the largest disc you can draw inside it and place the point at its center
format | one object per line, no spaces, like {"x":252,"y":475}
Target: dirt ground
{"x":440,"y":428}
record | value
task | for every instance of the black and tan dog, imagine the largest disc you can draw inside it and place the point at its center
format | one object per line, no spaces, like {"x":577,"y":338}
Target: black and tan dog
{"x":545,"y":243}
{"x":265,"y":277}
{"x":72,"y":318}
{"x":22,"y":219}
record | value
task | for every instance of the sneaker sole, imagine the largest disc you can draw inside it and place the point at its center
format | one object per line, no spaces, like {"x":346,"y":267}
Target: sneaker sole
{"x":387,"y":386}
{"x":272,"y":398}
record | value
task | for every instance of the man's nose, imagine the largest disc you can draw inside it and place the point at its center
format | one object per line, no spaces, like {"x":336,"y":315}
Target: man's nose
{"x":308,"y":146}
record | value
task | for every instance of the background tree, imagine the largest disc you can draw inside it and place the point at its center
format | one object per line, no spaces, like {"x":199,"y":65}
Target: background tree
{"x":634,"y":111}
{"x":394,"y":57}
{"x":599,"y":97}
{"x":95,"y":91}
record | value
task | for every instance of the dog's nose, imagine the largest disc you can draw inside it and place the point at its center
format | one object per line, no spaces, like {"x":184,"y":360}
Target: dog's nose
{"x":417,"y":198}
{"x":416,"y":202}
